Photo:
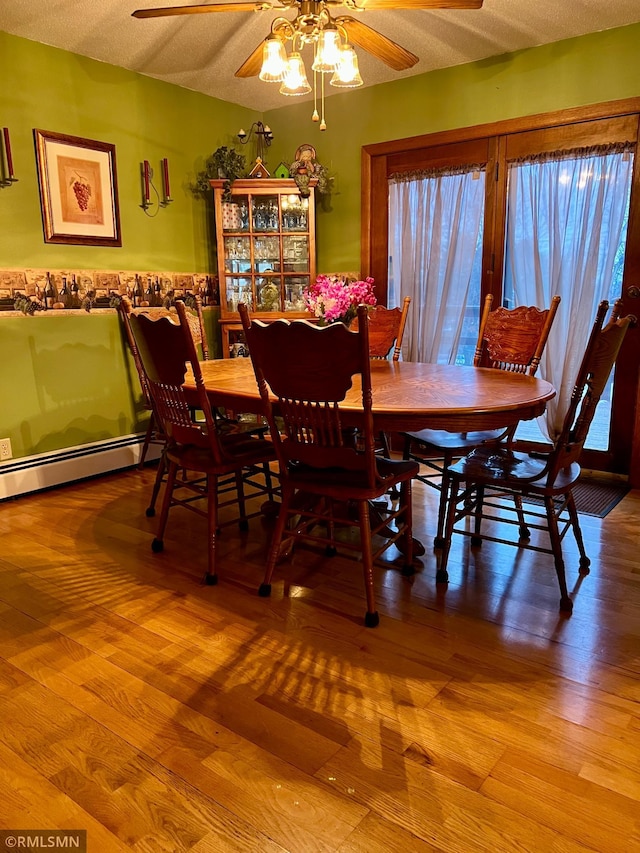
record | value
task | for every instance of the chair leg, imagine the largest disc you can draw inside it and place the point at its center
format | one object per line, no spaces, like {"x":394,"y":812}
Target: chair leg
{"x":585,"y":562}
{"x":442,"y":575}
{"x":384,"y":441}
{"x":406,"y":450}
{"x":243,"y":522}
{"x":523,"y":530}
{"x":157,"y":483}
{"x":147,"y":440}
{"x":327,"y":507}
{"x":438,"y":542}
{"x":407,"y":518}
{"x":566,"y":605}
{"x":476,"y":539}
{"x":283,"y":515}
{"x":371,"y":618}
{"x":211,"y":577}
{"x":268,"y":480}
{"x":157,"y":544}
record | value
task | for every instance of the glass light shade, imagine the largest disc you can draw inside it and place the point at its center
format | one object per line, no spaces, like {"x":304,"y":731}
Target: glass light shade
{"x":295,"y":78}
{"x":274,"y":60}
{"x":347,"y":74}
{"x":327,"y":50}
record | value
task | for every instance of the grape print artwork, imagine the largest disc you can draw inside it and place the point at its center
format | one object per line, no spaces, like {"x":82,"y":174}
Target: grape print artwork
{"x":82,"y":189}
{"x":78,"y":190}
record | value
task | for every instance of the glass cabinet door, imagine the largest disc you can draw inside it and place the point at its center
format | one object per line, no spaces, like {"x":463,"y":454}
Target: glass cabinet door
{"x":266,"y":254}
{"x":293,"y":290}
{"x":268,"y":292}
{"x":295,"y":210}
{"x":238,"y":290}
{"x":235,"y":214}
{"x":295,"y":253}
{"x":237,"y":254}
{"x":265,"y":213}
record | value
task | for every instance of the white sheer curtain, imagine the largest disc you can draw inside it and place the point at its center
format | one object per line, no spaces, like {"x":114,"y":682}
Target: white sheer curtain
{"x":564,"y":226}
{"x":435,"y":221}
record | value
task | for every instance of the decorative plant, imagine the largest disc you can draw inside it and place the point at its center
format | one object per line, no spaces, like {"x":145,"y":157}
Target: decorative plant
{"x":224,"y":163}
{"x":335,"y":300}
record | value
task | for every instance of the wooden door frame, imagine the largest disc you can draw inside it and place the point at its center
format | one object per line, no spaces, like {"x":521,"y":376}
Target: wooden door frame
{"x":379,"y":160}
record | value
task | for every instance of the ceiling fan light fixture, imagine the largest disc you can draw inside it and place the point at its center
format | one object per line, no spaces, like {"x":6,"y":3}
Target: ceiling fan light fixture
{"x":295,"y":79}
{"x":274,"y":60}
{"x":347,"y":74}
{"x":327,"y":50}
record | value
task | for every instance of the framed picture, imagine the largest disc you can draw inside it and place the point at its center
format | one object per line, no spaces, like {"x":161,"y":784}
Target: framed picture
{"x":78,"y":190}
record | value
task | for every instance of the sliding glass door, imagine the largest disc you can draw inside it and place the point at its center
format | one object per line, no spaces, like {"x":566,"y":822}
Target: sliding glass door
{"x":556,"y":209}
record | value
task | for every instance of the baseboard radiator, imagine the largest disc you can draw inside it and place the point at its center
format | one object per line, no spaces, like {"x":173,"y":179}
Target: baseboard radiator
{"x":48,"y":470}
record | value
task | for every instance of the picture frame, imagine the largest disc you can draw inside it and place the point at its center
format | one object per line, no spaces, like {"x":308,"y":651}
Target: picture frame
{"x":78,"y":190}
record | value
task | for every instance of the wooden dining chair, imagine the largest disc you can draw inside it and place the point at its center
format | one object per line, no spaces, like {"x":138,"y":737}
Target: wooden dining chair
{"x":512,"y":340}
{"x":386,"y":331}
{"x":478,"y":482}
{"x":308,"y":370}
{"x":211,"y":463}
{"x":154,"y":433}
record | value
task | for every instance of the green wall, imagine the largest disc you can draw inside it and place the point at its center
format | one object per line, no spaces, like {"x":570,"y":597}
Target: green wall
{"x":587,"y":70}
{"x":51,"y":89}
{"x":69,"y":382}
{"x":64,"y":380}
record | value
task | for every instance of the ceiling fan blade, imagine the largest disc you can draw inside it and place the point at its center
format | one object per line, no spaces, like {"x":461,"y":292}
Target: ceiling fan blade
{"x":415,"y":4}
{"x":203,"y":7}
{"x":380,"y":46}
{"x":251,"y":66}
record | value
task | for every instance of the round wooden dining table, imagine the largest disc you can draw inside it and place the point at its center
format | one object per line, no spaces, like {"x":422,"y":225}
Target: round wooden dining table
{"x":406,"y":395}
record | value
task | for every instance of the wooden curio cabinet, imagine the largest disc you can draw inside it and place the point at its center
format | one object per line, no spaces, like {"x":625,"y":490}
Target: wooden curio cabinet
{"x":265,"y":237}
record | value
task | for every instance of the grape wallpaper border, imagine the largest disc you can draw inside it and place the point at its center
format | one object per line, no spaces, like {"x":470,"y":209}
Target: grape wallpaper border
{"x":78,"y":189}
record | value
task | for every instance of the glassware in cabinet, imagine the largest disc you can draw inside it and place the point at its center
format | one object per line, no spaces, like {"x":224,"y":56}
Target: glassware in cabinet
{"x":266,"y":249}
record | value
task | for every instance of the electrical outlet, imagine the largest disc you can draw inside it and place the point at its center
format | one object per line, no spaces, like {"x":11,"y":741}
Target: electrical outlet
{"x":5,"y":449}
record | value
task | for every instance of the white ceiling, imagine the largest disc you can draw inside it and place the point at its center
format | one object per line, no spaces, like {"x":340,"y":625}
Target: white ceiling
{"x":202,"y":52}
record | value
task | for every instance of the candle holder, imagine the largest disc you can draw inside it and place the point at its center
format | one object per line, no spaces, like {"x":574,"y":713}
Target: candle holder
{"x":7,"y":178}
{"x":262,"y":136}
{"x":147,"y":185}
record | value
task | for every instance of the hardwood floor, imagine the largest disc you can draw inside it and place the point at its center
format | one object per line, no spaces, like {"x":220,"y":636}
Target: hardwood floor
{"x":163,"y":715}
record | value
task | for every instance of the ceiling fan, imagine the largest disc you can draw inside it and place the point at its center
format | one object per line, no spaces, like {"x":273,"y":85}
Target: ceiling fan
{"x":330,"y":36}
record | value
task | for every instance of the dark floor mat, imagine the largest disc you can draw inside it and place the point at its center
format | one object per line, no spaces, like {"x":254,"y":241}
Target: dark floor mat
{"x":594,"y":497}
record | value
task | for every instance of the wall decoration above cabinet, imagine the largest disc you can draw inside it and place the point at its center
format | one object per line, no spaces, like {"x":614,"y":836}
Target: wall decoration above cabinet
{"x":266,"y":248}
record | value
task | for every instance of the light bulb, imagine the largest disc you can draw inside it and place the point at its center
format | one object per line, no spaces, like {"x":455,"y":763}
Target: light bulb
{"x":274,"y":60}
{"x":295,"y":79}
{"x":347,"y":74}
{"x":327,"y":50}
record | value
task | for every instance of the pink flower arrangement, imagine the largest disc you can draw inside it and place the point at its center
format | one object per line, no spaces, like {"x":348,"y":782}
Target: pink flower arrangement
{"x":332,"y":299}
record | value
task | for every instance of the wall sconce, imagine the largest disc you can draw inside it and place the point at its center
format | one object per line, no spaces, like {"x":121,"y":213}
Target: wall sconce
{"x":7,"y":178}
{"x":146,"y":175}
{"x":263,"y":137}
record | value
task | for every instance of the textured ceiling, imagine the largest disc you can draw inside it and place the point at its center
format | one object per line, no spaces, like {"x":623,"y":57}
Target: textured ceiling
{"x":202,"y":52}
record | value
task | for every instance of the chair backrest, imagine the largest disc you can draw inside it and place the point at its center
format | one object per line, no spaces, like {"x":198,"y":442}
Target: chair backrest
{"x":599,"y":358}
{"x":200,"y":335}
{"x":513,"y":339}
{"x":124,"y":309}
{"x":309,"y":370}
{"x":166,"y":351}
{"x":386,"y":329}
